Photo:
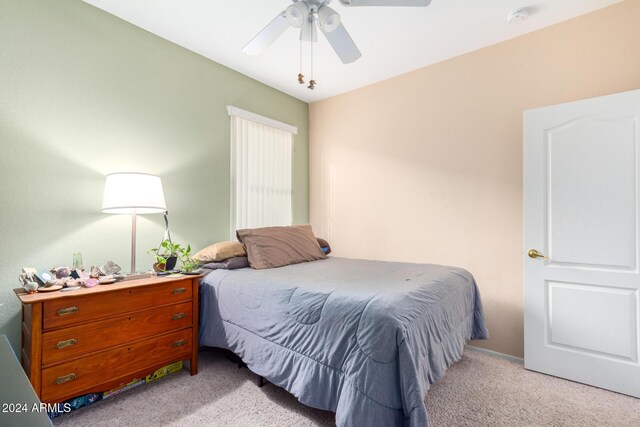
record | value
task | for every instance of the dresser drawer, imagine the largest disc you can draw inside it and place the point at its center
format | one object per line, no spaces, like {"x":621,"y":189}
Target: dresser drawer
{"x":89,"y":373}
{"x":62,"y":344}
{"x":86,"y":308}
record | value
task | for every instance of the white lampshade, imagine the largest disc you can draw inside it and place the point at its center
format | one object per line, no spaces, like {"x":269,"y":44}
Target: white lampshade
{"x":131,"y":192}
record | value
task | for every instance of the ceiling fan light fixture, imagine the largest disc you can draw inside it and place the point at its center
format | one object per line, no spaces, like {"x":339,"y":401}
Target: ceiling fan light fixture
{"x":296,"y":14}
{"x":328,"y":19}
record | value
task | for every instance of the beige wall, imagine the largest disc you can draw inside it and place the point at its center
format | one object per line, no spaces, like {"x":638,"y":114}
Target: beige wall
{"x":427,"y":166}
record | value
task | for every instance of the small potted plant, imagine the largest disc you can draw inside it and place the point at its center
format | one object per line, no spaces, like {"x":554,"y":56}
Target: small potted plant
{"x":166,"y":255}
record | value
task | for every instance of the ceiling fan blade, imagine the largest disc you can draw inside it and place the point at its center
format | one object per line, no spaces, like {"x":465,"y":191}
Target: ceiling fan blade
{"x":268,"y":35}
{"x":343,"y":44}
{"x":414,"y":3}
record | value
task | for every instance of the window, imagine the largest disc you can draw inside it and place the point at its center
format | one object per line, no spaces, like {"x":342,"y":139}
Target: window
{"x":261,"y":164}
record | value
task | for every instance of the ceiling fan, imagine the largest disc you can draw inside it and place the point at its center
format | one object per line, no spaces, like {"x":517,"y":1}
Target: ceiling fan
{"x":303,"y":14}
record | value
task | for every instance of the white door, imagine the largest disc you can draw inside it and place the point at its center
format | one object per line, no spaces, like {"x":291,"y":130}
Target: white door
{"x":581,"y":192}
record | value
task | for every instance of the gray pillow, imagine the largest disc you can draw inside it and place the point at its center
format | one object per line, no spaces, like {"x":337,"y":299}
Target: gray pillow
{"x":229,"y":264}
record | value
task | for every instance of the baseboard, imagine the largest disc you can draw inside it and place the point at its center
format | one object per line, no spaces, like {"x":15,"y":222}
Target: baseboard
{"x":495,"y":354}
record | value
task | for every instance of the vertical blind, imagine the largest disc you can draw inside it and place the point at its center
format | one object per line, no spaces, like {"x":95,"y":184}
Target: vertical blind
{"x":261,"y":178}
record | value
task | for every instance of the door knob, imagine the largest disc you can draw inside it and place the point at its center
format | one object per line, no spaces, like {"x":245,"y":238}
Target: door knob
{"x":535,"y":254}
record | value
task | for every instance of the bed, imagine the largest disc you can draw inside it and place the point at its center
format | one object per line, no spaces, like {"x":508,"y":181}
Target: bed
{"x":364,"y":339}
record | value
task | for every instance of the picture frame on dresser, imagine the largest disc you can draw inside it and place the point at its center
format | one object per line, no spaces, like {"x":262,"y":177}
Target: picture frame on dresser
{"x":94,"y":339}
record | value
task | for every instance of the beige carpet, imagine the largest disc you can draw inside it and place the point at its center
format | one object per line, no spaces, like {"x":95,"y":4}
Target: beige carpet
{"x":479,"y":390}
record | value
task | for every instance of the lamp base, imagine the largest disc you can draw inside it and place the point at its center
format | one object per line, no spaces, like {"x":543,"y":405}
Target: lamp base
{"x":135,"y":276}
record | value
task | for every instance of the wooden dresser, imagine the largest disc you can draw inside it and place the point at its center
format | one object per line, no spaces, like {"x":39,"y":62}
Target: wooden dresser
{"x":95,"y":339}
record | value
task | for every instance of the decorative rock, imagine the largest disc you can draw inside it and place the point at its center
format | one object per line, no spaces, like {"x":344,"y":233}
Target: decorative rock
{"x":31,"y":287}
{"x":109,"y":268}
{"x":95,"y":272}
{"x":61,"y":272}
{"x":57,"y":282}
{"x":28,"y":282}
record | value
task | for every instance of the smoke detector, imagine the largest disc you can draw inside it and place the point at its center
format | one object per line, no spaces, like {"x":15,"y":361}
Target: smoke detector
{"x":517,"y":16}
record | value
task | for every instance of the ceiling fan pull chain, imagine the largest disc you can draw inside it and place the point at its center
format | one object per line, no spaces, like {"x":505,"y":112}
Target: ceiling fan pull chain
{"x":300,"y":75}
{"x":312,"y":82}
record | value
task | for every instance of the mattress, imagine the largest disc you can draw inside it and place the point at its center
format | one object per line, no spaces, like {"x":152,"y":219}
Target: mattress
{"x":364,"y":339}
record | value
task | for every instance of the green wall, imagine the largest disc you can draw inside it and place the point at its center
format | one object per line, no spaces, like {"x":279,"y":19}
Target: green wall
{"x":83,"y":94}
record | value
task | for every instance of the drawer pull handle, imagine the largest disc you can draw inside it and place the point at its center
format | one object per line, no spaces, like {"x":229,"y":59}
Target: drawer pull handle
{"x":66,"y":378}
{"x":67,"y":343}
{"x":68,"y":310}
{"x":179,"y":316}
{"x":177,"y":291}
{"x":178,"y":343}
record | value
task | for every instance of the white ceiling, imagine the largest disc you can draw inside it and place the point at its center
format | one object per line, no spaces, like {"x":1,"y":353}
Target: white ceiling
{"x":393,"y":40}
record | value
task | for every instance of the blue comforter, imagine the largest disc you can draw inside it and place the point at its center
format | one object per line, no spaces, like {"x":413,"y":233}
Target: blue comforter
{"x":362,"y":338}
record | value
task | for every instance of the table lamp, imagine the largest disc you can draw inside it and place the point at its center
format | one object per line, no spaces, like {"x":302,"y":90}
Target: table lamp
{"x":133,"y":193}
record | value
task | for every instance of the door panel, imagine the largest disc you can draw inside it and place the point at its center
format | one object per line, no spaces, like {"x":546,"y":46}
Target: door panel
{"x":582,"y":303}
{"x":596,"y":320}
{"x":589,"y":223}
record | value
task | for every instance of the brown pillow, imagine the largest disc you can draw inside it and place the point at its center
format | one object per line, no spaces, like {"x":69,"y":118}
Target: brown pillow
{"x":324,"y":244}
{"x":219,"y":252}
{"x":271,"y":247}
